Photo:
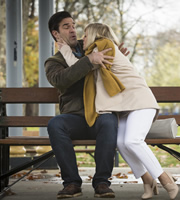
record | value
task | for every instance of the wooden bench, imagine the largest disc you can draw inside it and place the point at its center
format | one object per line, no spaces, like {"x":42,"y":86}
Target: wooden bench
{"x":50,"y":95}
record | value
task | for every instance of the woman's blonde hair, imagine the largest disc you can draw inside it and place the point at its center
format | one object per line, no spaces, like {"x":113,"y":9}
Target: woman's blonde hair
{"x":99,"y":30}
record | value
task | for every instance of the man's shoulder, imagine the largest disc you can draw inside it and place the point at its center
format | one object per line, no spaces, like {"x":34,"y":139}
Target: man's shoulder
{"x":56,"y":57}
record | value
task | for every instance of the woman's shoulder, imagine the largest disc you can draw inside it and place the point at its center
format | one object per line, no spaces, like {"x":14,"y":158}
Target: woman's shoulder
{"x":121,"y":58}
{"x":104,"y":42}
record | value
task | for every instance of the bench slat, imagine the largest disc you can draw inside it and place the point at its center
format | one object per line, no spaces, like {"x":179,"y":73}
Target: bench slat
{"x":50,"y":95}
{"x":164,"y":141}
{"x":23,"y":140}
{"x":29,"y":95}
{"x":41,"y":121}
{"x":24,"y":121}
{"x":166,"y":94}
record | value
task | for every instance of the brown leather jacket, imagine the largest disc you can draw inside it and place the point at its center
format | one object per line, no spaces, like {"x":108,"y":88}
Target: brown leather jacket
{"x":69,"y":81}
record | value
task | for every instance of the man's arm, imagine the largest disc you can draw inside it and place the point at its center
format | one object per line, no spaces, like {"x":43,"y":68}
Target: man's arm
{"x":61,"y":76}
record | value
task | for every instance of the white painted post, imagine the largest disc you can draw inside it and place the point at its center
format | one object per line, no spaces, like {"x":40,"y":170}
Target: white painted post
{"x":14,"y":55}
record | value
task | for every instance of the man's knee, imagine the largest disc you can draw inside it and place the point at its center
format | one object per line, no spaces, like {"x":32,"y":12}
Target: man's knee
{"x":55,"y":123}
{"x":108,"y":120}
{"x":108,"y":126}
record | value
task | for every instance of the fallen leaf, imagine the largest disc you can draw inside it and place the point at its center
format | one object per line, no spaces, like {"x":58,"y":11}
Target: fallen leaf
{"x":57,"y":175}
{"x":118,"y":174}
{"x":89,"y":178}
{"x":44,"y":171}
{"x":130,"y":182}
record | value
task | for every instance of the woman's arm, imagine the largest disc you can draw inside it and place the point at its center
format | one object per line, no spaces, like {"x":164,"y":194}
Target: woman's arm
{"x":67,"y":53}
{"x":71,"y":59}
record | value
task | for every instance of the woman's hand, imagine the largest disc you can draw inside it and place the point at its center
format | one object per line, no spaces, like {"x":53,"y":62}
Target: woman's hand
{"x":100,"y":58}
{"x":60,"y":43}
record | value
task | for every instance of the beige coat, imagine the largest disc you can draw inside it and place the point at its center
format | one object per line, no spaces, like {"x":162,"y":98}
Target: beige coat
{"x":137,"y":95}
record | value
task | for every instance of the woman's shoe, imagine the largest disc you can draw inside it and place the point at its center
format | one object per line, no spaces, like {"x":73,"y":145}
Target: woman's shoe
{"x":171,"y":188}
{"x":149,"y":190}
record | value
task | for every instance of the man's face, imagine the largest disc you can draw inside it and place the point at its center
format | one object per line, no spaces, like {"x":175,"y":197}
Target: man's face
{"x":67,"y":31}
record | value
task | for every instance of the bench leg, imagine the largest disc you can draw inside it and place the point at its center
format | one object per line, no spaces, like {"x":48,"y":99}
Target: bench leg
{"x":4,"y":165}
{"x":116,"y":160}
{"x":171,"y":151}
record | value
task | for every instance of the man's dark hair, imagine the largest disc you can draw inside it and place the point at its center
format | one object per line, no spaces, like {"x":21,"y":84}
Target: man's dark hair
{"x":55,"y":19}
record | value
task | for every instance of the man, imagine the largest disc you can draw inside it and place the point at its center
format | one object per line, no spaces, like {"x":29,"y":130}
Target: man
{"x":71,"y":124}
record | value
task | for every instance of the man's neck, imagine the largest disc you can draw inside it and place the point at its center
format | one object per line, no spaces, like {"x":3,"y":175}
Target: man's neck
{"x":76,"y":51}
{"x":73,"y":49}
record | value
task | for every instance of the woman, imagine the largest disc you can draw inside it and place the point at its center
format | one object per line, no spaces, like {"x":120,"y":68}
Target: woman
{"x":135,"y":104}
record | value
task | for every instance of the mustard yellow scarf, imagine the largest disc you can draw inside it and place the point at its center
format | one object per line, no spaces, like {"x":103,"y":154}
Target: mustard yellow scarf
{"x":111,"y":83}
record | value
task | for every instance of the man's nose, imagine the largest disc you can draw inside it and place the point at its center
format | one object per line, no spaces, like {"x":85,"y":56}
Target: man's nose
{"x":72,"y":29}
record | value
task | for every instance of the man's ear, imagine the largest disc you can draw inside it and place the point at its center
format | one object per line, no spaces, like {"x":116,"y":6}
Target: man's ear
{"x":55,"y":34}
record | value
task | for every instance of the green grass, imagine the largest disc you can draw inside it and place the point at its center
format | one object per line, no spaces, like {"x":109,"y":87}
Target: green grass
{"x":165,"y":159}
{"x":32,"y":128}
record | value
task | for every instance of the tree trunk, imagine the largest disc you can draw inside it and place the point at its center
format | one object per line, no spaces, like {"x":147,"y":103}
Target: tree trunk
{"x":28,"y":12}
{"x":2,"y":43}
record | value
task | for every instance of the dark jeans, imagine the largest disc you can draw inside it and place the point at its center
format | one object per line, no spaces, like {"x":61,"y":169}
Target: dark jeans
{"x":66,"y":127}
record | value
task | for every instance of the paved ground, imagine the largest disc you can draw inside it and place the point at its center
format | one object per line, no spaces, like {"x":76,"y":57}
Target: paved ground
{"x":45,"y":186}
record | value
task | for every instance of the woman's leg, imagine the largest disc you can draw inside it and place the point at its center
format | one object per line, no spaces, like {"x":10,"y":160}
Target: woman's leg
{"x":131,"y":144}
{"x":138,"y":124}
{"x":126,"y":155}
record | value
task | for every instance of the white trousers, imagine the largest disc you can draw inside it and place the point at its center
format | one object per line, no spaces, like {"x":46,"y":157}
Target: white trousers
{"x":132,"y":132}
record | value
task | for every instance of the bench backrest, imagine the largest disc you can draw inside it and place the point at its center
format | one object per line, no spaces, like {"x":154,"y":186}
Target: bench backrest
{"x":50,"y":95}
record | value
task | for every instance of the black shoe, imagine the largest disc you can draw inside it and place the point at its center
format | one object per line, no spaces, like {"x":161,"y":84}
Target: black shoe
{"x":69,"y":191}
{"x":103,"y":191}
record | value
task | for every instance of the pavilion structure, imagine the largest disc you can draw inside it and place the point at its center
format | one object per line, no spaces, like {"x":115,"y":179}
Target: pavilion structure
{"x":14,"y":54}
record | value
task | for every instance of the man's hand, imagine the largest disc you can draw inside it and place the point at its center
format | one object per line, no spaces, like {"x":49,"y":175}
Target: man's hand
{"x":100,"y":58}
{"x":123,"y":50}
